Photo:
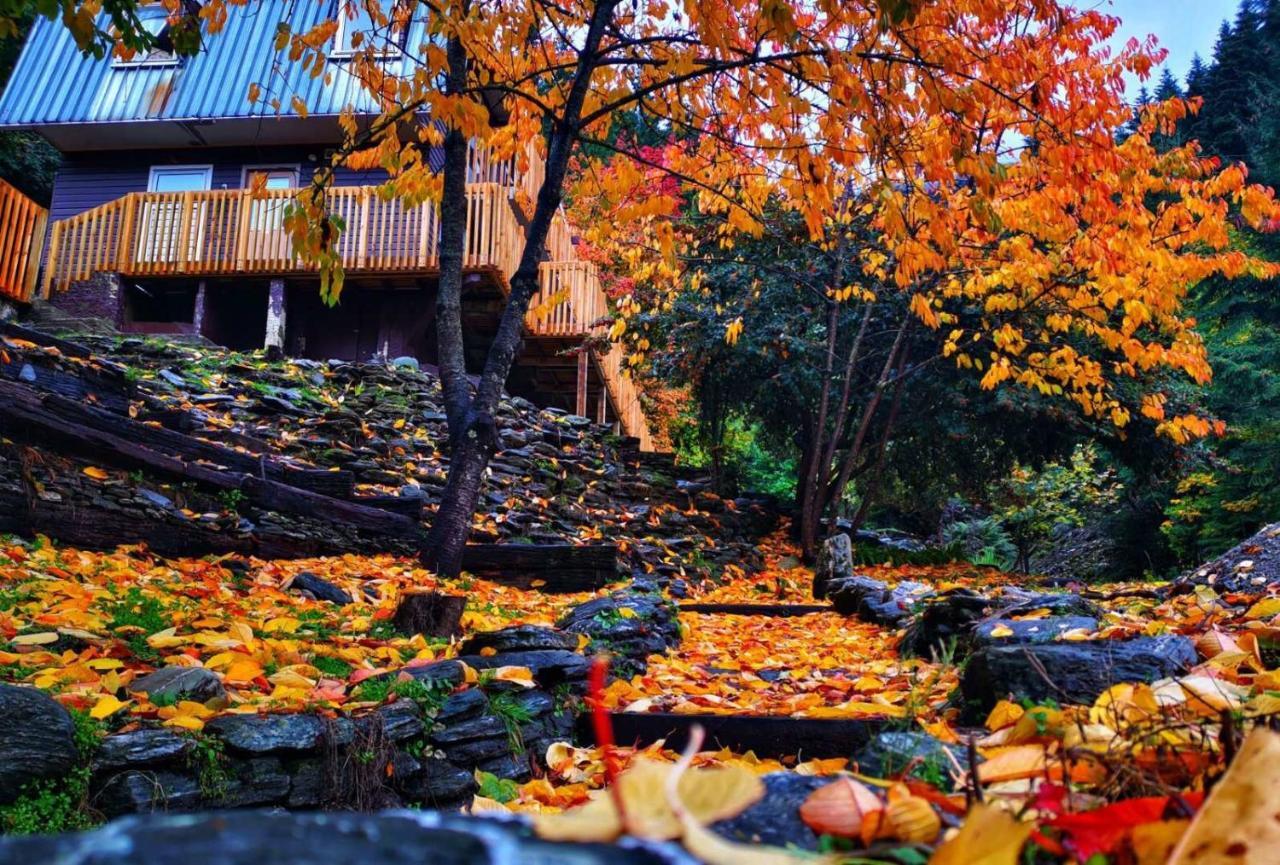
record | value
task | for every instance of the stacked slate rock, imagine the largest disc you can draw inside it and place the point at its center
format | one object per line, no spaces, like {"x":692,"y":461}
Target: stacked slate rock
{"x":1248,"y":568}
{"x":256,"y":837}
{"x":555,"y":478}
{"x":404,"y":752}
{"x":1008,"y":653}
{"x":630,"y":625}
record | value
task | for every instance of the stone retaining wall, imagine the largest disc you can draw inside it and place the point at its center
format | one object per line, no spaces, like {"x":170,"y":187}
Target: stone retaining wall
{"x":452,"y":718}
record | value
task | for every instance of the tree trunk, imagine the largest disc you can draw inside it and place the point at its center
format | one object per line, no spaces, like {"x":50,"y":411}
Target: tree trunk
{"x":431,"y":614}
{"x":473,"y":431}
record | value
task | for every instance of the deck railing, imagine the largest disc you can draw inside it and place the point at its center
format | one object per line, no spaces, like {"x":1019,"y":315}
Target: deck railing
{"x":241,"y":231}
{"x":571,"y":301}
{"x":22,"y":227}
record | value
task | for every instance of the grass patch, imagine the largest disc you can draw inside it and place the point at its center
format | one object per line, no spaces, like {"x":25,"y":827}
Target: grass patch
{"x":513,"y":714}
{"x":334,"y":668}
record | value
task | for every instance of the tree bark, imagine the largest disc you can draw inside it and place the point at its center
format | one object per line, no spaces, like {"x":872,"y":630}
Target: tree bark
{"x":431,"y":614}
{"x":809,"y":519}
{"x":877,"y":470}
{"x":474,"y":435}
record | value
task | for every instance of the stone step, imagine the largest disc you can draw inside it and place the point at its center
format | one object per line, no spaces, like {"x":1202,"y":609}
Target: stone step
{"x":780,"y":611}
{"x":766,"y":735}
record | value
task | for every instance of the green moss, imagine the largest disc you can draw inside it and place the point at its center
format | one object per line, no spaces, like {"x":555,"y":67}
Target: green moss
{"x":333,"y":667}
{"x":207,"y":759}
{"x":58,"y":804}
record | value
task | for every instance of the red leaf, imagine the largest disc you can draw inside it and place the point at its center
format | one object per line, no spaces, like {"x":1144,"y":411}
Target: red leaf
{"x":1099,"y":831}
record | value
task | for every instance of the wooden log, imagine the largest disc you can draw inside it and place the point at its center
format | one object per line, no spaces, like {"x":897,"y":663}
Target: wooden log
{"x":407,"y":506}
{"x":773,"y":610}
{"x":66,"y":346}
{"x":102,"y":389}
{"x":548,"y":567}
{"x":767,"y":735}
{"x":157,"y":438}
{"x":24,"y":415}
{"x":99,"y":526}
{"x":432,"y":614}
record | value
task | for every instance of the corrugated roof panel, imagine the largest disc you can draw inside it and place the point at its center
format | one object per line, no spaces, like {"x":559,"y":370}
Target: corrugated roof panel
{"x":53,"y":83}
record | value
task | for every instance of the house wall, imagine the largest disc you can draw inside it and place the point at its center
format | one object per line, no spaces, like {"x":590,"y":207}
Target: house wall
{"x":87,"y":180}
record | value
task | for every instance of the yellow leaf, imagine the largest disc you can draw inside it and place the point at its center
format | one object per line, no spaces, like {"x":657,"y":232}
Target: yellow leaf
{"x":244,"y":671}
{"x":518,"y":675}
{"x":1004,"y":714}
{"x":710,"y":794}
{"x":96,"y":473}
{"x":44,"y":638}
{"x":1264,"y":609}
{"x":1153,"y":842}
{"x":1014,"y":763}
{"x":1001,"y":631}
{"x":1237,"y":823}
{"x":106,"y":706}
{"x":988,"y":836}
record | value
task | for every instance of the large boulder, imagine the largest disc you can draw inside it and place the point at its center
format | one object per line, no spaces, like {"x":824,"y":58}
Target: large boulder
{"x":629,"y":625}
{"x":1068,"y":672}
{"x":997,"y":632}
{"x":518,"y":638}
{"x":336,"y":838}
{"x":775,"y":819}
{"x":835,"y":562}
{"x":873,"y":601}
{"x":1247,"y":568}
{"x":37,"y":739}
{"x":947,"y":624}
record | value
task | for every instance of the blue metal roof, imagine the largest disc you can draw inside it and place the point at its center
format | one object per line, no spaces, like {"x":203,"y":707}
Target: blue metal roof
{"x":53,"y":83}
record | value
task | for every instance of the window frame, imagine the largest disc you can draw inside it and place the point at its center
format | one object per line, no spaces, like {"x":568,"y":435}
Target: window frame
{"x":155,"y":58}
{"x":295,"y":167}
{"x":386,"y":49}
{"x":206,"y":168}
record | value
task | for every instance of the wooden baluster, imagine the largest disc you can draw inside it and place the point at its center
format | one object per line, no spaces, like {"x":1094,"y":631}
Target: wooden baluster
{"x":33,"y":254}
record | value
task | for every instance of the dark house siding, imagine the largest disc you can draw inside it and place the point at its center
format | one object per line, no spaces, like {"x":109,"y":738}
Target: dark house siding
{"x":87,"y":180}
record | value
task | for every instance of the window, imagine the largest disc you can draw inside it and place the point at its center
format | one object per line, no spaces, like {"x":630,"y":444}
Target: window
{"x":355,"y":18}
{"x":162,"y":220}
{"x":153,"y":20}
{"x":180,"y":178}
{"x":266,"y":239}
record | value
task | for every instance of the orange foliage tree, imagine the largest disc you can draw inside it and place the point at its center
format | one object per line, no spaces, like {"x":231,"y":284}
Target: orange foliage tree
{"x":1005,"y":210}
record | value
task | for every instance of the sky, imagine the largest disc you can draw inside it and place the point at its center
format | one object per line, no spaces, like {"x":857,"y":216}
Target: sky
{"x":1183,"y":27}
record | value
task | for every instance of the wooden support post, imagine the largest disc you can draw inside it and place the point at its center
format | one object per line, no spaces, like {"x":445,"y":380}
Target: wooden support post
{"x":275,"y":317}
{"x":602,"y":414}
{"x":583,"y":368}
{"x":197,"y":314}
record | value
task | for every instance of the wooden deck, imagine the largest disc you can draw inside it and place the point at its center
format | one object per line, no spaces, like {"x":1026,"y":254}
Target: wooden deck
{"x":240,"y":232}
{"x":22,"y":227}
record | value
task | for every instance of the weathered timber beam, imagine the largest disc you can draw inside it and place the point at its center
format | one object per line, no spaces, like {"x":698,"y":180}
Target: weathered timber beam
{"x":158,"y":438}
{"x":554,"y":567}
{"x":772,"y":610}
{"x":767,"y":735}
{"x":25,"y":416}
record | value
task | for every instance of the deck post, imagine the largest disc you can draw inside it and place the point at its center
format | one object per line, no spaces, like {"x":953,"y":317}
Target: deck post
{"x":197,"y":314}
{"x":275,"y":317}
{"x":583,"y":368}
{"x":602,"y":411}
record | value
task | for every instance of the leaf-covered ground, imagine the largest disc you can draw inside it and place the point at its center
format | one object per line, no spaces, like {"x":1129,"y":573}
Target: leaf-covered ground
{"x":84,"y":625}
